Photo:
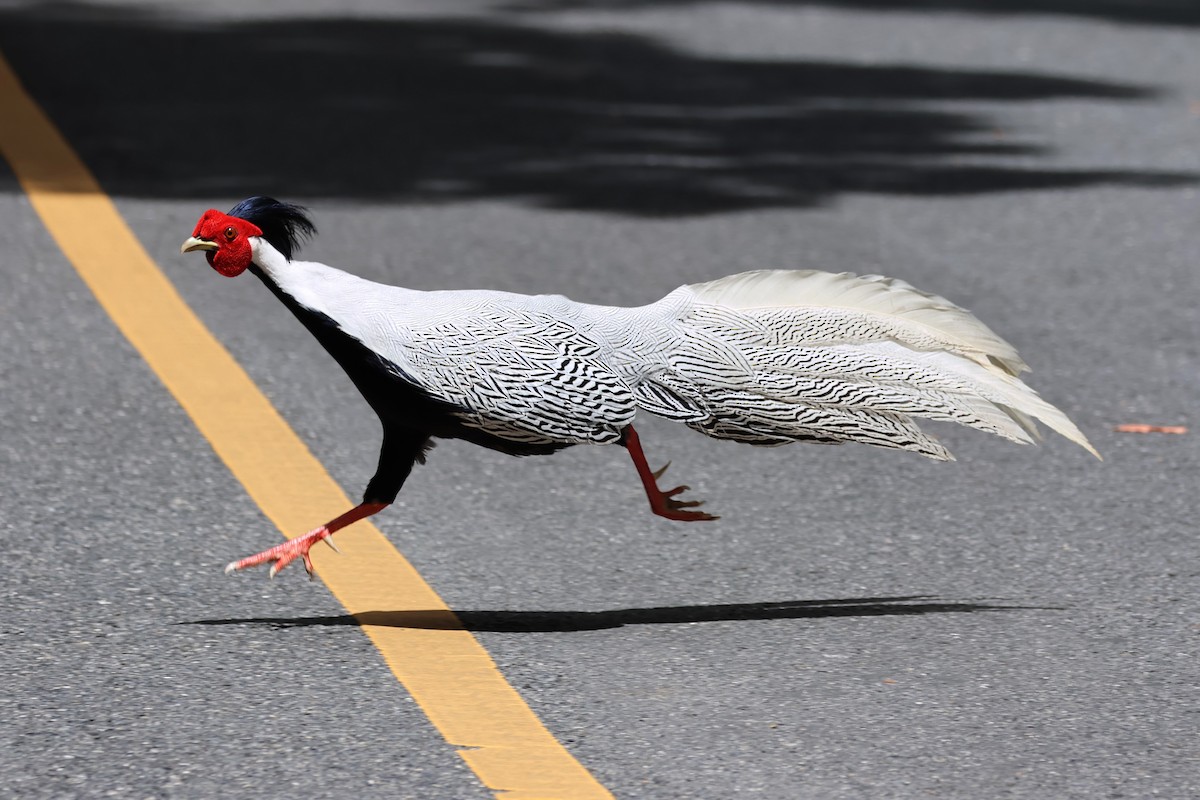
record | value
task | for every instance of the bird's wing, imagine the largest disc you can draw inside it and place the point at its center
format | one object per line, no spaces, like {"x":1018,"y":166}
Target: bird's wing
{"x":523,"y":373}
{"x":522,"y":368}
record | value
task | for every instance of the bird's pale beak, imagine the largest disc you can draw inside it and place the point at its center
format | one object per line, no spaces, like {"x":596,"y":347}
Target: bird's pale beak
{"x":192,"y":243}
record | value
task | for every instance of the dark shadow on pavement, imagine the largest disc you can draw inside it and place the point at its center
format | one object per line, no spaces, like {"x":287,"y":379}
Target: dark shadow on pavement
{"x":1133,"y":12}
{"x":441,"y":110}
{"x":572,"y":621}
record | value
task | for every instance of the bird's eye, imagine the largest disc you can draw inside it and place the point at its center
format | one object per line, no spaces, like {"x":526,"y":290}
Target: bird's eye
{"x":230,"y":233}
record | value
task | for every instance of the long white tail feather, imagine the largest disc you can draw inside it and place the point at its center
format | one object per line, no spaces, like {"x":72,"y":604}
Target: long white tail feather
{"x":907,"y":314}
{"x":775,"y":356}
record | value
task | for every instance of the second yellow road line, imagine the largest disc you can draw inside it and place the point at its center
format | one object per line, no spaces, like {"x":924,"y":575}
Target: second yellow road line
{"x":446,"y":670}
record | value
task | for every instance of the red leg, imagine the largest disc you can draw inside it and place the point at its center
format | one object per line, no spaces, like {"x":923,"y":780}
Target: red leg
{"x":662,"y":503}
{"x":286,"y":553}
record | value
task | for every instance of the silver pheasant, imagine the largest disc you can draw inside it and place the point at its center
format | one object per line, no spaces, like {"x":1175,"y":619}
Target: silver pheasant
{"x":766,"y":357}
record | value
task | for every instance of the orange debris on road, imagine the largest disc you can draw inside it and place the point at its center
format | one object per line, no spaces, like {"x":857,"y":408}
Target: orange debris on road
{"x":1141,"y":428}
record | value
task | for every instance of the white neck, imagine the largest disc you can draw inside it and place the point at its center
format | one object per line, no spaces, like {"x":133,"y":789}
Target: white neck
{"x":268,"y":259}
{"x":319,"y":287}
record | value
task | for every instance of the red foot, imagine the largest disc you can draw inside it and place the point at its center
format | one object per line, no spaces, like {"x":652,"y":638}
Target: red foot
{"x":662,"y":503}
{"x":286,"y":553}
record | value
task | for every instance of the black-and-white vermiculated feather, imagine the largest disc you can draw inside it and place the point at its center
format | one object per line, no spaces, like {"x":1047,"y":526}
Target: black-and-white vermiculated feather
{"x":817,"y":357}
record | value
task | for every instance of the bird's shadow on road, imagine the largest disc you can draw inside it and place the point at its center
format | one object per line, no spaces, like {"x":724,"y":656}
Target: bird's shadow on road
{"x":427,"y":109}
{"x":1184,"y":13}
{"x":502,"y":621}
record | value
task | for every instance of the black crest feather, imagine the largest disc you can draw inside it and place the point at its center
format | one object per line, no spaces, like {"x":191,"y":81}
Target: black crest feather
{"x":284,"y":225}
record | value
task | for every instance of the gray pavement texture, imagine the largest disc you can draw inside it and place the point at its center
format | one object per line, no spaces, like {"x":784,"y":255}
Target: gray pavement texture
{"x":859,"y":624}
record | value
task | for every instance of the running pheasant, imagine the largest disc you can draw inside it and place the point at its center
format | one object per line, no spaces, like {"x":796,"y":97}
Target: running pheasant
{"x":767,"y":358}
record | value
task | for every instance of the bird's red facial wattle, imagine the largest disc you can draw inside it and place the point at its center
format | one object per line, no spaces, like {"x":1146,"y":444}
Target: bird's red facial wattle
{"x":225,"y":241}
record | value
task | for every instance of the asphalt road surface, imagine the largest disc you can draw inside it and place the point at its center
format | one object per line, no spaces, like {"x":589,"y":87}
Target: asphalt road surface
{"x":1022,"y":623}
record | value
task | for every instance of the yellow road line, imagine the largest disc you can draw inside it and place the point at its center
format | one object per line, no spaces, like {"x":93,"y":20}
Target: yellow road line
{"x":446,"y":670}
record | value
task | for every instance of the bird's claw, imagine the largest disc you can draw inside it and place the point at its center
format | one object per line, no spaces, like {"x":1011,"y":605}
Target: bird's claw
{"x":667,"y":506}
{"x":283,"y":561}
{"x":283,"y":554}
